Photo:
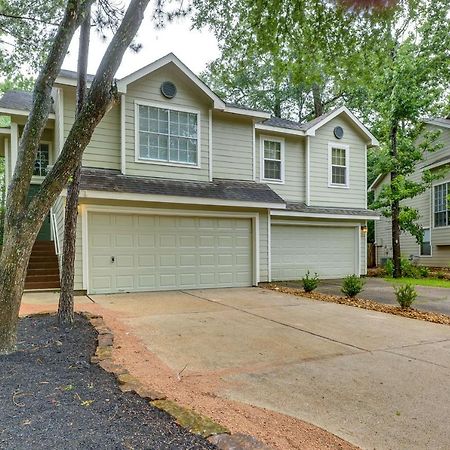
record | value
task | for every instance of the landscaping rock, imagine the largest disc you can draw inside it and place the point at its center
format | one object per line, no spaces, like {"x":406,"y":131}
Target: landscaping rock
{"x":237,"y":441}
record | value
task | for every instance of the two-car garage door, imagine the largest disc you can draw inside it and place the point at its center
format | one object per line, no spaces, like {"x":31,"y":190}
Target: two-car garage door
{"x":332,"y":252}
{"x":130,"y":252}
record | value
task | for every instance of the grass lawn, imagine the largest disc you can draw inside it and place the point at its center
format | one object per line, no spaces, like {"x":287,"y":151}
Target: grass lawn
{"x":432,"y":282}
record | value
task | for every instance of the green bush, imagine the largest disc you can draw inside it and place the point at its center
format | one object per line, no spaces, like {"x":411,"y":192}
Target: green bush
{"x":424,"y":272}
{"x":409,"y":270}
{"x":389,"y":268}
{"x":310,"y":282}
{"x":352,"y":285}
{"x":440,"y":275}
{"x":405,"y":294}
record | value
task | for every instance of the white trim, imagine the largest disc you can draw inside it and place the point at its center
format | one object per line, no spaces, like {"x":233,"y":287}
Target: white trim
{"x":431,"y":246}
{"x":273,"y":129}
{"x":85,"y":209}
{"x":19,"y":112}
{"x":173,"y":199}
{"x":376,"y":181}
{"x":338,"y":145}
{"x":5,"y":131}
{"x":437,"y":164}
{"x":38,"y":179}
{"x":343,"y":109}
{"x":210,"y":145}
{"x":246,"y":112}
{"x":14,"y":146}
{"x":7,"y":168}
{"x":437,"y":123}
{"x":358,"y":252}
{"x":254,"y":151}
{"x":433,"y":212}
{"x":139,"y":160}
{"x":69,"y":81}
{"x":308,"y":171}
{"x":365,"y":176}
{"x":323,"y":216}
{"x":161,"y":62}
{"x":59,"y":121}
{"x":263,"y":138}
{"x":269,"y":247}
{"x":313,"y":223}
{"x":123,"y":132}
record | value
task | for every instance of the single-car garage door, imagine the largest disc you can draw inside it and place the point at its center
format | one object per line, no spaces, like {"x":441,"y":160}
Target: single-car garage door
{"x":144,"y":252}
{"x":330,"y":251}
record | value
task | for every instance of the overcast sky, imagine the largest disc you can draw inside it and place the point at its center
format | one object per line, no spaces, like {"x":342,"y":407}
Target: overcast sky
{"x":193,"y":47}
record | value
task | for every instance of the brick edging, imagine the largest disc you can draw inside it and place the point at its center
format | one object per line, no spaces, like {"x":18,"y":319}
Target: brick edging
{"x":187,"y":418}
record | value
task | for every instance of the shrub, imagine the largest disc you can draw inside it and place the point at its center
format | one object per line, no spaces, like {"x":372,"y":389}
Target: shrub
{"x":352,"y":285}
{"x":409,"y":270}
{"x":405,"y":295}
{"x":440,"y":275}
{"x":310,"y":282}
{"x":389,"y":268}
{"x":424,"y":272}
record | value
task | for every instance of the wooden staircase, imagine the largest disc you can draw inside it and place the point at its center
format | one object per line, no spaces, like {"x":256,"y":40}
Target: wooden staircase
{"x":43,"y":268}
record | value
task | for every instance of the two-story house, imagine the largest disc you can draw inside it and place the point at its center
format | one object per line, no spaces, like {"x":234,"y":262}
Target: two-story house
{"x":432,"y":205}
{"x":181,"y":190}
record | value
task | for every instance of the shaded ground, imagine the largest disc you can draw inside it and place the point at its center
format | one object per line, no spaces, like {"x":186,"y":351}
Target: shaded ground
{"x":429,"y":299}
{"x":51,"y":397}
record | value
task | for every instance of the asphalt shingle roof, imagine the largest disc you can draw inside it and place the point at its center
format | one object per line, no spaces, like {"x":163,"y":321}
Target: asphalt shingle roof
{"x":292,"y":125}
{"x":20,"y":100}
{"x":301,"y":207}
{"x":114,"y":181}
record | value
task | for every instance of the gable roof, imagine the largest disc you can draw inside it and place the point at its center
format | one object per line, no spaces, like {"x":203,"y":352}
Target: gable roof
{"x":439,"y":121}
{"x":310,"y":128}
{"x":377,"y":181}
{"x":17,"y":102}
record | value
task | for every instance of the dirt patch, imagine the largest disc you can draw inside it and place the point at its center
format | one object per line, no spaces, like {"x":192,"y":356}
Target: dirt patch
{"x":362,"y":303}
{"x":52,"y":397}
{"x":199,"y":391}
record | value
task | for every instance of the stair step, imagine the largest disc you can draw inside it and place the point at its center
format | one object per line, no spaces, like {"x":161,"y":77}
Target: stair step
{"x":43,"y":258}
{"x":43,"y":265}
{"x":41,"y":285}
{"x":43,"y":271}
{"x":43,"y":277}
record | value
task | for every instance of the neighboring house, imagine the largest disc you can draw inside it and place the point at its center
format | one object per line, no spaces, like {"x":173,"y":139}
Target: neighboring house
{"x":181,"y":190}
{"x":433,"y":207}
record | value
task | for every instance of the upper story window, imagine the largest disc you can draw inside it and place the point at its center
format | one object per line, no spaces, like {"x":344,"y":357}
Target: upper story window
{"x":338,"y":170}
{"x":441,"y":205}
{"x":272,"y":159}
{"x":42,"y":160}
{"x":167,"y":135}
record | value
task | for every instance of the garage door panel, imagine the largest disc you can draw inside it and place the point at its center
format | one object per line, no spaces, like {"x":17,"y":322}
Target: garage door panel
{"x":329,"y":251}
{"x":165,"y":252}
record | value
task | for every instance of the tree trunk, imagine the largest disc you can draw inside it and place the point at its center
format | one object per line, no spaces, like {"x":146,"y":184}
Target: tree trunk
{"x":395,"y":210}
{"x":28,"y":218}
{"x":66,"y":300}
{"x":317,"y":98}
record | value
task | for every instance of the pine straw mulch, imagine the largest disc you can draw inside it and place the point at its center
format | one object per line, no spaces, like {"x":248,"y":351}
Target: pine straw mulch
{"x":363,"y":303}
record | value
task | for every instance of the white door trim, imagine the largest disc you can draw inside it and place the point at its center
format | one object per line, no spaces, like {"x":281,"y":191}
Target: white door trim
{"x":86,"y":209}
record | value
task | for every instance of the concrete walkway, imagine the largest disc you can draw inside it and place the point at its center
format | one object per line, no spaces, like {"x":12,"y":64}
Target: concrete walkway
{"x":429,"y":299}
{"x":376,"y":380}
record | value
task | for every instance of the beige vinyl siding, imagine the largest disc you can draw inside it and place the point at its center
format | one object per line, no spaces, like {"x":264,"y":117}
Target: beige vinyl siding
{"x":104,"y":149}
{"x":147,"y":89}
{"x":263,"y":230}
{"x":323,"y":195}
{"x":232,"y":148}
{"x":293,"y":188}
{"x":444,"y":139}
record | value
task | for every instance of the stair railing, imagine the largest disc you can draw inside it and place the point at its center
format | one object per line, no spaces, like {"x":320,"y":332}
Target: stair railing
{"x":55,"y":233}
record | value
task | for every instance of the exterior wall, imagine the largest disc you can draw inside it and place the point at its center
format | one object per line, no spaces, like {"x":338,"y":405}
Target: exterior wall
{"x":321,"y":194}
{"x":104,"y":149}
{"x":440,"y":236}
{"x":147,"y":89}
{"x":232,"y":147}
{"x":262,"y":231}
{"x":293,"y":188}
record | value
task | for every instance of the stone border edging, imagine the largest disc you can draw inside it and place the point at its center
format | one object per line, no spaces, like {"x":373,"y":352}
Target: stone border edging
{"x":372,"y":305}
{"x":186,"y":418}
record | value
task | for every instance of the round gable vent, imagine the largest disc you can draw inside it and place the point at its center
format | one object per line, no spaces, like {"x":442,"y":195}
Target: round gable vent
{"x":168,"y":89}
{"x":338,"y":132}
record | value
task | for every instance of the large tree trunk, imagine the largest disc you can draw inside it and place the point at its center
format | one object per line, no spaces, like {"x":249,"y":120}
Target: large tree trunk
{"x":317,"y":99}
{"x":66,"y":300}
{"x":100,"y":97}
{"x":395,"y":210}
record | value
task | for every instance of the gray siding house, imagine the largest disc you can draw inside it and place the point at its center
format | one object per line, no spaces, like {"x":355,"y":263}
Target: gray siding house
{"x":432,"y":205}
{"x":181,"y":190}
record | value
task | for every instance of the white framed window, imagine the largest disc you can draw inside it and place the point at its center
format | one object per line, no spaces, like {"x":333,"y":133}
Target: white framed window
{"x":42,"y":160}
{"x":338,"y":165}
{"x":441,"y":205}
{"x":272,"y":159}
{"x":425,"y":248}
{"x":166,"y":135}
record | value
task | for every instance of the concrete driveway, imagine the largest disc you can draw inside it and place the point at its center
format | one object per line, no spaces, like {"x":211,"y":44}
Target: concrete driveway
{"x":376,"y":380}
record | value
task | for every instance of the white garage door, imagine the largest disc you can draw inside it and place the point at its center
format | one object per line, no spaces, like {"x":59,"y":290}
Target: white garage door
{"x":143,"y":252}
{"x":329,"y":251}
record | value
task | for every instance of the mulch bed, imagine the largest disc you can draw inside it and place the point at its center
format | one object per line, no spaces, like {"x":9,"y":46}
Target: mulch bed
{"x":363,"y":303}
{"x":52,"y":397}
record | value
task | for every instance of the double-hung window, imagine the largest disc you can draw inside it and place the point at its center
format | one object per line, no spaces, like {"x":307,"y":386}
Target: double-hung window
{"x":42,"y":160}
{"x":272,"y":161}
{"x":338,"y":165}
{"x":425,"y":248}
{"x":441,"y":205}
{"x":167,"y":135}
